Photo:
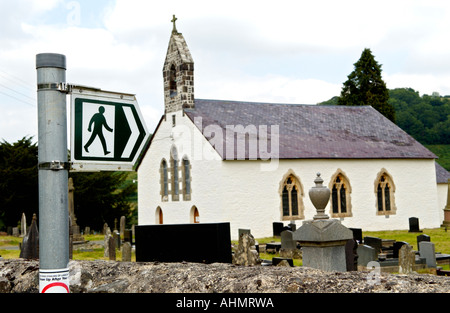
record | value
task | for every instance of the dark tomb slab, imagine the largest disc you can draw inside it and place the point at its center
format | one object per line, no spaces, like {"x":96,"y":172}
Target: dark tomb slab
{"x":277,"y":260}
{"x":414,"y":225}
{"x":200,"y":243}
{"x":357,"y":234}
{"x":421,"y":238}
{"x":396,"y":248}
{"x":277,"y":228}
{"x":374,"y":242}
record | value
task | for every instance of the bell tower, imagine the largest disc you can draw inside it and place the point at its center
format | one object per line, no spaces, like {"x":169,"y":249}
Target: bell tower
{"x":178,"y":74}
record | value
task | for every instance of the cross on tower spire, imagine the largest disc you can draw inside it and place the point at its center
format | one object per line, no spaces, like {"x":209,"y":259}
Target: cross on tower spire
{"x":174,"y":30}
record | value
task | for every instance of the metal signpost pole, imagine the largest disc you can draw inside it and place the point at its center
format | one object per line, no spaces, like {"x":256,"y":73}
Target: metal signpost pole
{"x":53,"y":174}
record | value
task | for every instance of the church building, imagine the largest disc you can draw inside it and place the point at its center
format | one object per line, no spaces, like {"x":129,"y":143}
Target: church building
{"x":252,"y":164}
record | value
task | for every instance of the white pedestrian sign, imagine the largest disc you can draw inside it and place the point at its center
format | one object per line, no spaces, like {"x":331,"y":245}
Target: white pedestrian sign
{"x":108,"y":131}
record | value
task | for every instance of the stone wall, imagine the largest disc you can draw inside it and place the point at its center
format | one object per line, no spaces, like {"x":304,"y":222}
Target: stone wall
{"x":21,"y":276}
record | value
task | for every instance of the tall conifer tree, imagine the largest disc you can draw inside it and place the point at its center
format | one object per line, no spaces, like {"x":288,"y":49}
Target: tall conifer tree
{"x":366,"y":87}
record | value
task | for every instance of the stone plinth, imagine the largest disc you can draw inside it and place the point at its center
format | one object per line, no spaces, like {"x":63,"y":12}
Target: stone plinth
{"x":323,"y":244}
{"x":323,"y":239}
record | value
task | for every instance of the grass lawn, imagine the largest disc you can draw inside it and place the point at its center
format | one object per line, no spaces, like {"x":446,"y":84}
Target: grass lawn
{"x":439,"y":237}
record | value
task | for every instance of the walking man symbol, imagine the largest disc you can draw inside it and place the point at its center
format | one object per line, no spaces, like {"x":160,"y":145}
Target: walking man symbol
{"x":99,"y":121}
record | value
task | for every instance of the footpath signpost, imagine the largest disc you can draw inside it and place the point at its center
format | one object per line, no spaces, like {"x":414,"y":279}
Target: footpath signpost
{"x":108,"y":133}
{"x":53,"y":174}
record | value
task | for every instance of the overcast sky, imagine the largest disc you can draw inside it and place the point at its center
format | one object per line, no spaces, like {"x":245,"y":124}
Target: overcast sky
{"x":272,"y":51}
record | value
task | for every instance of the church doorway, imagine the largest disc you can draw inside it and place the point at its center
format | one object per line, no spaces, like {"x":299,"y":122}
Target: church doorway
{"x":159,"y":216}
{"x":195,"y":216}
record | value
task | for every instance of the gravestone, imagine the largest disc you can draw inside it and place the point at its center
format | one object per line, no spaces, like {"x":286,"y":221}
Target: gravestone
{"x":428,"y":252}
{"x":351,"y":256}
{"x":202,"y":242}
{"x":15,"y":232}
{"x":30,"y":243}
{"x":277,"y":261}
{"x":127,"y":236}
{"x":406,"y":259}
{"x":421,"y":238}
{"x":245,"y":254}
{"x":366,"y":254}
{"x":111,"y":248}
{"x":357,"y":234}
{"x":116,"y":236}
{"x":126,"y":252}
{"x":287,"y":241}
{"x":414,"y":225}
{"x":23,"y":225}
{"x":289,"y":247}
{"x":122,"y":225}
{"x":106,"y":242}
{"x":374,"y":242}
{"x":242,"y":231}
{"x":396,"y":248}
{"x":277,"y":228}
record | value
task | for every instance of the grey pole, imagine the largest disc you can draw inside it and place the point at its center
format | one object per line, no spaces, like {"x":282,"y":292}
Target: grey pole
{"x":53,"y":174}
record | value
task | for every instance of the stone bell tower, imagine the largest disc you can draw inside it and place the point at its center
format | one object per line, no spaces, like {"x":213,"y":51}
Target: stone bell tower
{"x":178,"y":73}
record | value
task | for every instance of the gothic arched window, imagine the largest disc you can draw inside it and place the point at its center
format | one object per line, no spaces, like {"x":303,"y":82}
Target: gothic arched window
{"x":186,"y":179}
{"x":291,"y":198}
{"x":173,"y":81}
{"x":164,"y":181}
{"x":174,"y":172}
{"x":340,"y":196}
{"x":384,"y":191}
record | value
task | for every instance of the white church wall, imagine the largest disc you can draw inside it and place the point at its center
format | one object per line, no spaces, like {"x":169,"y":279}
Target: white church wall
{"x":242,"y":193}
{"x":442,"y":190}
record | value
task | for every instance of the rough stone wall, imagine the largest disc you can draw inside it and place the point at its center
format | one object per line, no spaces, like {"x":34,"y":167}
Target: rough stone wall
{"x":21,"y":276}
{"x":178,"y":57}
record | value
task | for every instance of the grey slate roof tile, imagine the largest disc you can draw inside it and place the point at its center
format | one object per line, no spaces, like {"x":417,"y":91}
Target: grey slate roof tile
{"x":313,"y":131}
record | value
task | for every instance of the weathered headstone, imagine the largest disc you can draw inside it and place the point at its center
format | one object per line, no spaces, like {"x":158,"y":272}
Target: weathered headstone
{"x":30,"y":244}
{"x":122,"y":226}
{"x":87,"y":230}
{"x":245,"y":254}
{"x":287,"y":241}
{"x":366,"y":254}
{"x":15,"y":232}
{"x":23,"y":226}
{"x":289,"y":247}
{"x":111,"y":248}
{"x":406,"y":259}
{"x":414,"y":225}
{"x":117,"y":239}
{"x":127,"y":236}
{"x":126,"y":252}
{"x":421,"y":238}
{"x":428,"y":252}
{"x":106,"y":241}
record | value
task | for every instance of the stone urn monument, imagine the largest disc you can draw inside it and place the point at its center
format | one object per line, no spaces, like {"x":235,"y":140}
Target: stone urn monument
{"x":323,"y":239}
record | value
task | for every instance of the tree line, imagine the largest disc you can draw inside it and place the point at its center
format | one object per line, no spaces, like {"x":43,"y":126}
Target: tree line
{"x":98,"y":197}
{"x":426,"y":118}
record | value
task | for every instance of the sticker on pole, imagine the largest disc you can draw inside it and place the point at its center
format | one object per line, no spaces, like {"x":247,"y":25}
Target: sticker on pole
{"x":54,"y":281}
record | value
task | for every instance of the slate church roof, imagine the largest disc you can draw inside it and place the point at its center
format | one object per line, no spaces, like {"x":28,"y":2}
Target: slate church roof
{"x":313,"y":131}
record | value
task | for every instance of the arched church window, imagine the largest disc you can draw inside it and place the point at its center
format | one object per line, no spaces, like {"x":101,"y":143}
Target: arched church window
{"x":186,"y":179}
{"x":174,"y":172}
{"x":291,"y":198}
{"x":173,"y":81}
{"x":384,"y":190}
{"x":164,"y":181}
{"x":340,"y":195}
